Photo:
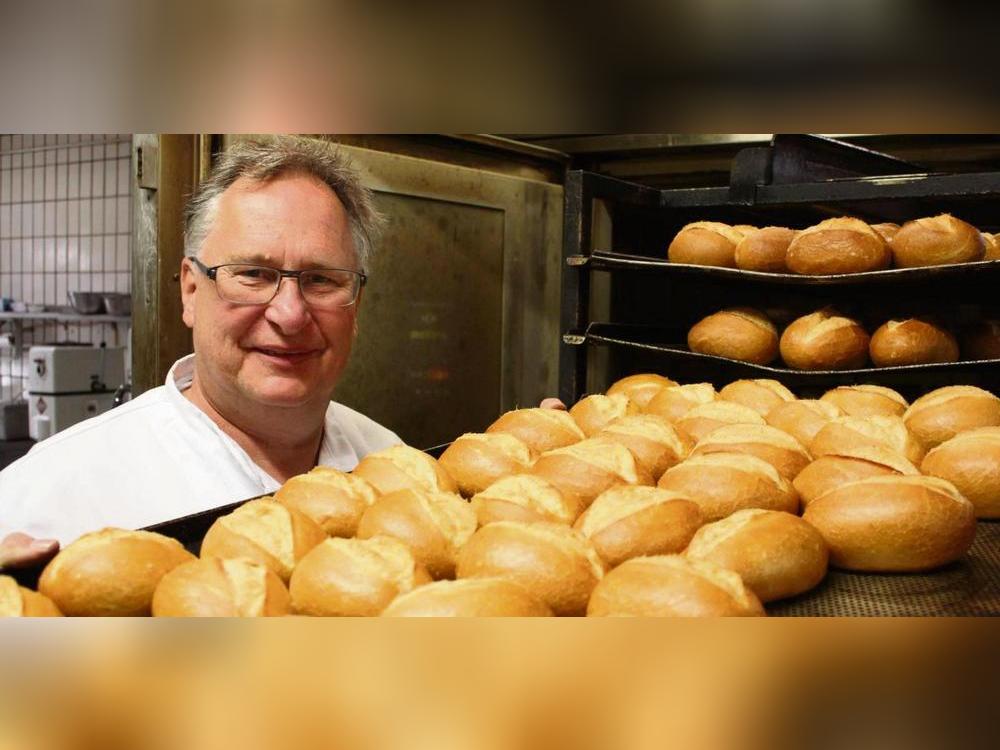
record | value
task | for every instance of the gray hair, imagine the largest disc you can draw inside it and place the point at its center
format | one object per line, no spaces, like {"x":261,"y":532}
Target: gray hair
{"x":266,"y":160}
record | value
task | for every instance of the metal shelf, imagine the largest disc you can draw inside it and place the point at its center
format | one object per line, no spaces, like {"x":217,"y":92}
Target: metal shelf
{"x":65,"y":317}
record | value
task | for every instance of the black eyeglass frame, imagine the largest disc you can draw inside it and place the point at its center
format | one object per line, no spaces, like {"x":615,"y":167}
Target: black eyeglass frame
{"x":212,"y":272}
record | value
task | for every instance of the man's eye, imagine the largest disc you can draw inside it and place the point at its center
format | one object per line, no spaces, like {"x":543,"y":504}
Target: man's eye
{"x":322,"y":280}
{"x":250,"y":273}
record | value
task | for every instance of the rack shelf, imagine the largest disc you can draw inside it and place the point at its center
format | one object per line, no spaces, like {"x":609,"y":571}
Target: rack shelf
{"x":65,"y":317}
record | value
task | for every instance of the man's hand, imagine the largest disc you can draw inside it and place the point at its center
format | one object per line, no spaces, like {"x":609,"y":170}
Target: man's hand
{"x":553,"y":403}
{"x":19,"y":550}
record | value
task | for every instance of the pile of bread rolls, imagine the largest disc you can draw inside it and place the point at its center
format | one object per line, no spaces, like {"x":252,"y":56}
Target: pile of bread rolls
{"x":827,"y":340}
{"x":834,"y":246}
{"x":653,"y":498}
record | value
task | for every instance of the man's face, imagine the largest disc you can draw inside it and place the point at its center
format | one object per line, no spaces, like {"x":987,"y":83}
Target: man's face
{"x":284,"y":353}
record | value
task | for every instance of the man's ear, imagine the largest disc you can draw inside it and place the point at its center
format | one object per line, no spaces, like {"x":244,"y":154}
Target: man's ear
{"x":189,"y":285}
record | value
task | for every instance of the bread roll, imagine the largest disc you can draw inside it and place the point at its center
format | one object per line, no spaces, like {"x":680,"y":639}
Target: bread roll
{"x":433,"y":524}
{"x":629,"y":522}
{"x":866,"y":401}
{"x":17,"y":601}
{"x":739,"y":333}
{"x":850,"y":463}
{"x":776,"y":554}
{"x":824,"y":340}
{"x":110,"y":573}
{"x":887,"y":230}
{"x":672,"y":586}
{"x":470,"y":597}
{"x":982,"y":340}
{"x":890,"y":432}
{"x":802,"y":419}
{"x":764,"y":250}
{"x":939,"y":240}
{"x":971,"y":462}
{"x":894,"y":524}
{"x":945,"y":412}
{"x":673,"y":403}
{"x":584,"y":470}
{"x":652,"y":441}
{"x":761,"y":395}
{"x":401,"y":467}
{"x":524,"y":498}
{"x":723,"y":483}
{"x":744,"y":229}
{"x":596,"y":412}
{"x":842,"y":245}
{"x":781,"y":450}
{"x":214,"y":587}
{"x":555,"y":564}
{"x":705,"y":243}
{"x":991,"y":246}
{"x":332,"y":498}
{"x":540,"y":429}
{"x":911,"y":342}
{"x":477,"y":460}
{"x":705,"y":419}
{"x":640,"y":388}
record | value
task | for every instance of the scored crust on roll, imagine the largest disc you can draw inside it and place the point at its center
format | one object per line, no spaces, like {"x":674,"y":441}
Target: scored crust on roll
{"x":991,"y":246}
{"x":17,"y":601}
{"x":626,"y":522}
{"x":945,"y":412}
{"x":804,"y":418}
{"x":936,"y":240}
{"x":866,"y":400}
{"x":214,"y":587}
{"x":583,"y":471}
{"x":540,"y":429}
{"x":761,"y":395}
{"x":971,"y":462}
{"x":469,"y":597}
{"x":526,"y":498}
{"x":651,"y":439}
{"x":764,"y":249}
{"x":786,"y":454}
{"x":776,"y":554}
{"x":912,"y":342}
{"x":705,"y":419}
{"x":674,"y":402}
{"x":850,"y":463}
{"x":739,"y":333}
{"x":556,"y":564}
{"x":844,"y":432}
{"x":332,"y":498}
{"x":841,"y":245}
{"x":640,"y":388}
{"x":401,"y":467}
{"x":705,"y":243}
{"x":887,"y":230}
{"x":723,"y":483}
{"x":476,"y":460}
{"x":824,"y":340}
{"x":672,"y":586}
{"x":596,"y":412}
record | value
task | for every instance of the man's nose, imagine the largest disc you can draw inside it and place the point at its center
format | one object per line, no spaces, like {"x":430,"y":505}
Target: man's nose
{"x":288,"y":310}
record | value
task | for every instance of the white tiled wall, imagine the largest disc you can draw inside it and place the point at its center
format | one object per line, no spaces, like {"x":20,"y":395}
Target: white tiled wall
{"x":65,"y":224}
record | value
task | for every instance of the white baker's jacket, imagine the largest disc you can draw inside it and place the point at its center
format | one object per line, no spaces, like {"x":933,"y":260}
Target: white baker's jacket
{"x":155,"y":458}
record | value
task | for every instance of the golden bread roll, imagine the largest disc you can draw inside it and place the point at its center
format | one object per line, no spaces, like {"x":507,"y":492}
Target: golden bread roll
{"x":476,"y":460}
{"x":887,"y":230}
{"x":540,"y":429}
{"x":991,"y":246}
{"x":937,"y":240}
{"x":982,"y":340}
{"x":469,"y":597}
{"x":674,"y":402}
{"x":824,"y":340}
{"x":971,"y":462}
{"x":629,"y":522}
{"x":802,"y":419}
{"x":723,"y":483}
{"x":764,"y":249}
{"x":705,"y":243}
{"x":110,"y":573}
{"x":17,"y":601}
{"x":851,"y":462}
{"x":672,"y":586}
{"x":705,"y":419}
{"x":740,"y":333}
{"x":401,"y":467}
{"x":866,"y":400}
{"x":786,"y":454}
{"x":842,"y":245}
{"x":596,"y":412}
{"x":584,"y":470}
{"x":911,"y":342}
{"x":555,"y":564}
{"x":526,"y":498}
{"x":761,"y":395}
{"x":652,"y":441}
{"x":332,"y":498}
{"x":640,"y":388}
{"x":894,"y":524}
{"x":265,"y":532}
{"x":776,"y":554}
{"x":213,"y":587}
{"x":845,"y":432}
{"x":354,"y":577}
{"x":744,"y":229}
{"x":433,"y":524}
{"x":943,"y":413}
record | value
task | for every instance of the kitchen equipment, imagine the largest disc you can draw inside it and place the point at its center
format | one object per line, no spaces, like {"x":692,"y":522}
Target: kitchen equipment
{"x":116,"y":303}
{"x":14,"y":420}
{"x":67,"y":384}
{"x":87,"y":303}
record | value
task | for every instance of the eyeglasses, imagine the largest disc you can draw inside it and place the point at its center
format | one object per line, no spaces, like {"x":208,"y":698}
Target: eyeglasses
{"x":245,"y":284}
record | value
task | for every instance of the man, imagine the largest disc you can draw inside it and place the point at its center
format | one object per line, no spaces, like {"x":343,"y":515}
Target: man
{"x":277,"y":245}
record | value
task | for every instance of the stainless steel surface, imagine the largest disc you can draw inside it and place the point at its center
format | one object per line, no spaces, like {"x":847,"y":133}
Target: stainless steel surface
{"x":87,"y":303}
{"x":117,"y":304}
